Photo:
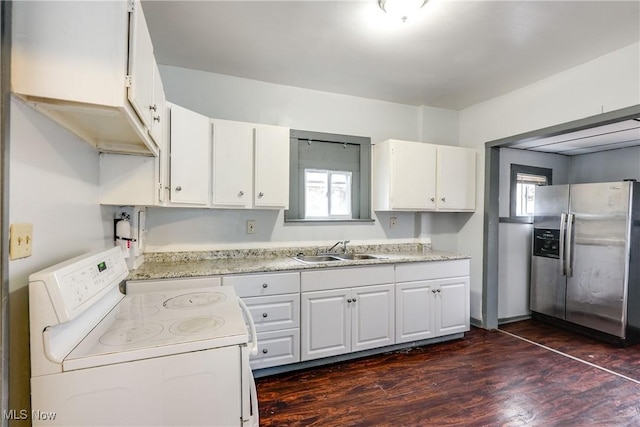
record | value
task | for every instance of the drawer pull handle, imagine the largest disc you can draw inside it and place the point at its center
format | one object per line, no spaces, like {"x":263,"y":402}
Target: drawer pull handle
{"x":265,"y":351}
{"x":264,"y":315}
{"x":265,"y":285}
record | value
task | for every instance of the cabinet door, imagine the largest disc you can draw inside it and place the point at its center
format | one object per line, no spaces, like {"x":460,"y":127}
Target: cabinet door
{"x":456,"y":168}
{"x":271,"y":172}
{"x":232,"y":164}
{"x":189,"y":167}
{"x":157,"y":108}
{"x":325,"y":323}
{"x":452,"y":308}
{"x":372,"y":317}
{"x":413,"y":178}
{"x":415,"y":311}
{"x":141,"y":66}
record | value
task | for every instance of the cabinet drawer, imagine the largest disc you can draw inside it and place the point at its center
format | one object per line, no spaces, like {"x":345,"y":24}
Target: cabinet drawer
{"x":277,"y":348}
{"x":275,"y":312}
{"x":325,"y":279}
{"x":410,"y":272}
{"x":255,"y":285}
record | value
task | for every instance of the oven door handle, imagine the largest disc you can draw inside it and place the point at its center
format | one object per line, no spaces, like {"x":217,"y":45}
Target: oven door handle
{"x":252,"y":327}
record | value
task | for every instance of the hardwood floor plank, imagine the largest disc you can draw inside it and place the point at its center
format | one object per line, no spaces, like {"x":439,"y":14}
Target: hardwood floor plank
{"x":624,"y":360}
{"x":486,"y":379}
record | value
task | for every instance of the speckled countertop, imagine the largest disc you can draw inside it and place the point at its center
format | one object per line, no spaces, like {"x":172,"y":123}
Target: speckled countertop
{"x":170,"y":265}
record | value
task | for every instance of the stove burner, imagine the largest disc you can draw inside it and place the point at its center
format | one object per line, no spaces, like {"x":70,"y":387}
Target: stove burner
{"x":131,"y":334}
{"x":194,"y":300}
{"x":196,"y":325}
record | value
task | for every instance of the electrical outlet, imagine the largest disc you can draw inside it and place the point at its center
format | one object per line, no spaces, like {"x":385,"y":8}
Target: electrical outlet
{"x":251,"y":226}
{"x":393,"y":223}
{"x":20,"y":240}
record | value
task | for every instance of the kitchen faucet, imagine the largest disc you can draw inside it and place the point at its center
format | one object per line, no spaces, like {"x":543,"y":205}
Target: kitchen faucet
{"x":339,"y":242}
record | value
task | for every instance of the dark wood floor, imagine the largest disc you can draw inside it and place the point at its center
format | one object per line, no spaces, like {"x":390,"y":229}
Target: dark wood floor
{"x":489,"y":378}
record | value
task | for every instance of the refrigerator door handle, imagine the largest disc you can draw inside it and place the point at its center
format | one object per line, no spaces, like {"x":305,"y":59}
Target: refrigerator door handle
{"x":563,"y":222}
{"x":569,"y":240}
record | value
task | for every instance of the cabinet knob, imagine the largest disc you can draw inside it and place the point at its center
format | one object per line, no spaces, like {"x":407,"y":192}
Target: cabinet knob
{"x":156,"y":118}
{"x":354,"y":300}
{"x":178,"y":188}
{"x":241,"y":193}
{"x":260,"y":194}
{"x":265,"y":315}
{"x":443,"y":199}
{"x":265,"y":285}
{"x":265,"y":351}
{"x":349,"y":300}
{"x":433,"y":199}
{"x":433,"y":290}
{"x":153,"y":107}
{"x":438,"y":291}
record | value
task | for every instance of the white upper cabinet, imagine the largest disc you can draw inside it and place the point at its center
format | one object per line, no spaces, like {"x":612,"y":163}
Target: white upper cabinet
{"x":81,"y":72}
{"x":141,"y":67}
{"x":456,"y":179}
{"x":232,"y":164}
{"x":250,"y":165}
{"x":190,"y":143}
{"x":404,"y":176}
{"x":415,"y":176}
{"x":271,"y":167}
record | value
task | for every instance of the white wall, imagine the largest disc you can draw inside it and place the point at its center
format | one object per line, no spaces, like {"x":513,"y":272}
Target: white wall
{"x":234,"y":98}
{"x":605,"y":84}
{"x":53,"y":185}
{"x":606,"y":166}
{"x":514,"y":253}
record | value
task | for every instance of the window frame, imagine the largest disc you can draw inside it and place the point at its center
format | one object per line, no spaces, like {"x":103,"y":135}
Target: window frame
{"x":513,"y":189}
{"x":295,"y":213}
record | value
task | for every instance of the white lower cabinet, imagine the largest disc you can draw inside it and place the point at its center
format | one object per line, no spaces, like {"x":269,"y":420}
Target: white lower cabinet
{"x":343,"y":320}
{"x":273,"y":300}
{"x":432,"y":299}
{"x":346,"y":320}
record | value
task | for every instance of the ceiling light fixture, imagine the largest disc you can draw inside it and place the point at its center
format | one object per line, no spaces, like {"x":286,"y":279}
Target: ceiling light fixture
{"x":401,"y":9}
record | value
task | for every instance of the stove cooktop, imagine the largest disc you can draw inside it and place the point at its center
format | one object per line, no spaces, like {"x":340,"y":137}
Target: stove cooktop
{"x":159,"y":324}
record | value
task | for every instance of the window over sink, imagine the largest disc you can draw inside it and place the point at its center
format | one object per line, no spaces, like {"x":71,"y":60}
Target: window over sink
{"x":330,"y":177}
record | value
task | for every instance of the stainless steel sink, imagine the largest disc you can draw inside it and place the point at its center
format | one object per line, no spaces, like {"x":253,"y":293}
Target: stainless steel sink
{"x":312,"y":259}
{"x":356,"y":256}
{"x":316,"y":258}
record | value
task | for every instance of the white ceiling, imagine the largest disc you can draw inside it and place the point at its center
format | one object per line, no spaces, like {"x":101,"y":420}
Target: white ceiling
{"x":455,"y":54}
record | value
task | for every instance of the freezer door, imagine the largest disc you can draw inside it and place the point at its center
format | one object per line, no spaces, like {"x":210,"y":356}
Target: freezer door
{"x":548,"y":283}
{"x":598,"y":249}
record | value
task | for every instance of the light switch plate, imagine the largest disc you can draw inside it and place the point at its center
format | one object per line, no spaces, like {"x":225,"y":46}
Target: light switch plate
{"x":20,"y":240}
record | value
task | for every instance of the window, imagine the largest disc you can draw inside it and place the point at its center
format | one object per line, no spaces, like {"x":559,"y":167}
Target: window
{"x":327,"y":194}
{"x":524,"y":180}
{"x":329,"y":177}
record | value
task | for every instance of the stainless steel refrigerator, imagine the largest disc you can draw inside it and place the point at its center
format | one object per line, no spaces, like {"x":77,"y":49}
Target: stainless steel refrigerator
{"x":585,"y":264}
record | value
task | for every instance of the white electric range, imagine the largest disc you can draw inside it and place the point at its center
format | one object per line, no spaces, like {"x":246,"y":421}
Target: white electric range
{"x":168,"y":352}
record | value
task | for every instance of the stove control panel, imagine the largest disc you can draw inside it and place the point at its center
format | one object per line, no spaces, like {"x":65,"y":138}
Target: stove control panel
{"x":75,"y":285}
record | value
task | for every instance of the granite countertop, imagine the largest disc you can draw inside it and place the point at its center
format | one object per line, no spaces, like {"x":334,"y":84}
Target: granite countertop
{"x":171,"y":265}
